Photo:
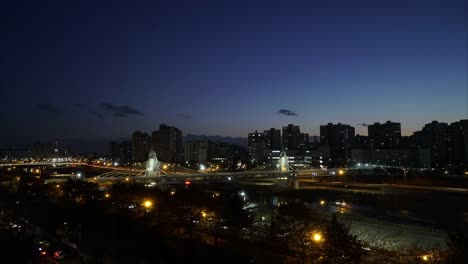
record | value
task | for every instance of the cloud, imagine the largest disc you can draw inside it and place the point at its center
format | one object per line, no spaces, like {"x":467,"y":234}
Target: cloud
{"x":96,"y":114}
{"x":286,"y":112}
{"x":184,"y":116}
{"x":49,"y":108}
{"x":120,"y":110}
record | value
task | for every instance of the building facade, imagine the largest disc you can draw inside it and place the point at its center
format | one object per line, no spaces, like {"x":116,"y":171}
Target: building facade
{"x":167,"y":142}
{"x":293,"y":139}
{"x":141,"y":145}
{"x":121,"y":152}
{"x":458,"y":144}
{"x":398,"y":157}
{"x":339,"y":138}
{"x":257,"y":147}
{"x":273,"y":138}
{"x":386,"y":135}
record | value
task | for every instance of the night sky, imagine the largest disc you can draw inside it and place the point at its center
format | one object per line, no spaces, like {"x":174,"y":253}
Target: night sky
{"x":102,"y":69}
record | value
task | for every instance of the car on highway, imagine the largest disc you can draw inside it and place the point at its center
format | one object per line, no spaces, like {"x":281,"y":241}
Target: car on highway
{"x":58,"y":255}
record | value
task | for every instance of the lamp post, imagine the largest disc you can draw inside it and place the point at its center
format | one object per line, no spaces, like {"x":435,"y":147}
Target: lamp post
{"x":466,"y":177}
{"x":404,"y":174}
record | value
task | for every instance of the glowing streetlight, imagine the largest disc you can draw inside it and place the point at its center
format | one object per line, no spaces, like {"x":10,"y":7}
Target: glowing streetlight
{"x":425,"y":258}
{"x":165,"y":166}
{"x":148,"y":204}
{"x":107,"y":195}
{"x":322,"y":202}
{"x":317,"y":237}
{"x":58,"y":186}
{"x":341,"y":172}
{"x":204,"y":214}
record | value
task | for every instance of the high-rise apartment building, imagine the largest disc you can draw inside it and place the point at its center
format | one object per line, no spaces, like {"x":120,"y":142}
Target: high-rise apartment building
{"x":141,"y":145}
{"x":257,"y":147}
{"x":121,"y":152}
{"x":273,"y":138}
{"x":458,"y":143}
{"x":167,"y":142}
{"x":293,"y":139}
{"x":434,"y":136}
{"x":386,"y":135}
{"x":340,"y":138}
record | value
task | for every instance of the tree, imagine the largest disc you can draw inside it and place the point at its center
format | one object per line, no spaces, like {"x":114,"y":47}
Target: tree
{"x":340,"y":245}
{"x":301,"y":241}
{"x":457,"y":251}
{"x":187,"y":217}
{"x":236,"y":216}
{"x":15,"y":248}
{"x":80,"y":191}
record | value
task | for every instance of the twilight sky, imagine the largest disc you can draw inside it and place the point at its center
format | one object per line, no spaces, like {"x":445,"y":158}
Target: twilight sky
{"x":102,"y":69}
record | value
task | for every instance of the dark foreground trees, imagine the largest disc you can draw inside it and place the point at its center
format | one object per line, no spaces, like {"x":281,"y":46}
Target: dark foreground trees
{"x":15,"y":247}
{"x":457,"y":252}
{"x":340,"y":246}
{"x":194,"y":224}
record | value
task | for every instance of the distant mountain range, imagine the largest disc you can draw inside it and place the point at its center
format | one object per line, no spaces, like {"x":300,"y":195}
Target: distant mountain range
{"x":240,"y":141}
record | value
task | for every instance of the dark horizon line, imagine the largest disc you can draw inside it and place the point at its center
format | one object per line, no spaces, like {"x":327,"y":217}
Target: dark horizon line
{"x":100,"y":140}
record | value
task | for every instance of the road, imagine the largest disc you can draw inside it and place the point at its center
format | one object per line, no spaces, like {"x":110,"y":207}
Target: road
{"x":66,"y":260}
{"x":376,"y":188}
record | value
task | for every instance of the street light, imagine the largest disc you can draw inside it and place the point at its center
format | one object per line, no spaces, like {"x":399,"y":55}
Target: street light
{"x":147,"y":204}
{"x":317,"y":237}
{"x":243,"y":195}
{"x":404,"y":174}
{"x":322,"y":202}
{"x":425,"y":257}
{"x":466,"y":177}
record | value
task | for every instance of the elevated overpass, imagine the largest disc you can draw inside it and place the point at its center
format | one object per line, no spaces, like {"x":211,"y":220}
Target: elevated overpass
{"x":40,"y":163}
{"x":169,"y":173}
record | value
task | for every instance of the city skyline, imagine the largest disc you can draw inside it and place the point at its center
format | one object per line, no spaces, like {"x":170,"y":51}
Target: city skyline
{"x":234,"y":131}
{"x":229,"y":68}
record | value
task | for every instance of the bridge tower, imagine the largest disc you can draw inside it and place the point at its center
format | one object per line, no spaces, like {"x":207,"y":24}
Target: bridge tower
{"x":283,"y":162}
{"x":152,"y":165}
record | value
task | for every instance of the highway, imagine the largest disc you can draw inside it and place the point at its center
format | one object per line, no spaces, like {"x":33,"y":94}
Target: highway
{"x":375,"y":188}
